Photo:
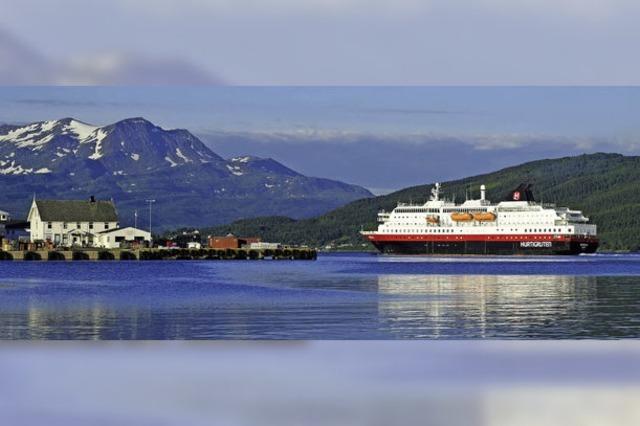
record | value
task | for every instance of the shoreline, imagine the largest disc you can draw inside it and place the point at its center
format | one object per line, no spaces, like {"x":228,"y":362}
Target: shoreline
{"x":146,"y":254}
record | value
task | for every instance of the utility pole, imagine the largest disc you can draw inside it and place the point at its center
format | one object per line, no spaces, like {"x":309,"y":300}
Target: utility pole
{"x":150,"y":234}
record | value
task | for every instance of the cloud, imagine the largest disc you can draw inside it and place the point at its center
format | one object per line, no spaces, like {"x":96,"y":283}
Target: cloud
{"x":127,"y":69}
{"x":592,"y":9}
{"x":21,"y":64}
{"x":472,"y":141}
{"x":389,"y":9}
{"x":279,"y":7}
{"x":349,"y":42}
{"x":399,"y":9}
{"x":364,"y":158}
{"x":411,"y":111}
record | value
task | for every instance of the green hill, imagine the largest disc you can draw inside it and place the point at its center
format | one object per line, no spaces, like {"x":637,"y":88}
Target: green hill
{"x":605,"y":186}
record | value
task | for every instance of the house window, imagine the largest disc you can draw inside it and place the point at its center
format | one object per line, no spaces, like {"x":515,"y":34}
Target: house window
{"x":106,"y":225}
{"x":49,"y":225}
{"x":78,"y":225}
{"x":64,"y":225}
{"x":90,"y":225}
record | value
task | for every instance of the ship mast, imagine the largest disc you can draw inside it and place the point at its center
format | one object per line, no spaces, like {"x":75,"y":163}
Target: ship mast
{"x":435,"y":192}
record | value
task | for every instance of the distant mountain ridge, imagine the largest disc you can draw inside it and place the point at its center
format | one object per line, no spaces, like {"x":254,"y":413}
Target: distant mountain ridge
{"x":604,"y":186}
{"x":133,"y":160}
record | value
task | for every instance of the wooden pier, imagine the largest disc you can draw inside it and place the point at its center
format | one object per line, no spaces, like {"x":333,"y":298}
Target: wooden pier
{"x":160,"y":254}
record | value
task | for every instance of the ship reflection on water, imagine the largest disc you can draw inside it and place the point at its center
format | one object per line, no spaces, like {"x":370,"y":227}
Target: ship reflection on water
{"x":355,"y":297}
{"x":493,"y":306}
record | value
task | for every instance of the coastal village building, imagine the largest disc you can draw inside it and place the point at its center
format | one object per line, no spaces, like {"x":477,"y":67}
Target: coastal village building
{"x":12,"y":232}
{"x":71,"y":222}
{"x":188,"y":239}
{"x":90,"y":223}
{"x":121,"y":237}
{"x":230,"y":241}
{"x":17,"y":231}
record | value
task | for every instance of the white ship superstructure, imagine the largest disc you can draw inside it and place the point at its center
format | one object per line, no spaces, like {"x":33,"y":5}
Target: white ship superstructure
{"x":477,"y":226}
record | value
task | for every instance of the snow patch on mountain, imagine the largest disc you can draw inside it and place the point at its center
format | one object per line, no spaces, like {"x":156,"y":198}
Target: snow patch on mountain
{"x":170,"y":161}
{"x":34,"y":143}
{"x":99,"y":135}
{"x":28,"y":136}
{"x":15,"y":169}
{"x":244,"y":159}
{"x":97,"y":151}
{"x":48,"y":126}
{"x":184,"y":157}
{"x":16,"y":135}
{"x":235,"y":170}
{"x":80,"y":129}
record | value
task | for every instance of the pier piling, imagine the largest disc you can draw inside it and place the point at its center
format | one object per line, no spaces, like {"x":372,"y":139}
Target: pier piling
{"x":159,"y":254}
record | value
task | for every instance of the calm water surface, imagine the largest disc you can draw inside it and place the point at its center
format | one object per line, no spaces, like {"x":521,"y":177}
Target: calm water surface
{"x":354,"y":296}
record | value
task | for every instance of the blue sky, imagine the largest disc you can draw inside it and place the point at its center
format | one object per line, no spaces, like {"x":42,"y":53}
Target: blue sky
{"x":383,"y":138}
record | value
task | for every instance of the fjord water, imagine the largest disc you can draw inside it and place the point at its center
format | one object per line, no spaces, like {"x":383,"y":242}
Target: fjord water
{"x":341,"y":296}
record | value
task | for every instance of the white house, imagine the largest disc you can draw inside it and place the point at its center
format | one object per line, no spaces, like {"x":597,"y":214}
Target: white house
{"x":71,"y":222}
{"x":114,"y":238}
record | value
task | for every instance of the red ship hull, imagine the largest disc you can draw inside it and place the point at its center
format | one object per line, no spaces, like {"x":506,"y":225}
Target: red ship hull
{"x":540,"y":244}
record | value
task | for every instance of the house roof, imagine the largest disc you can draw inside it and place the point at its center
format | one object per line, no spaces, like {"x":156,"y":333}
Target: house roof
{"x":76,"y":211}
{"x":137,"y":230}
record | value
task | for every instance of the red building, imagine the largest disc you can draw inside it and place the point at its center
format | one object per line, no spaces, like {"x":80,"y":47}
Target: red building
{"x":231,"y":242}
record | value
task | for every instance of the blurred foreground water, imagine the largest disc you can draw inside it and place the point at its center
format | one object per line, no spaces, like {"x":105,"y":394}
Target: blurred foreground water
{"x":354,"y":296}
{"x":317,"y":383}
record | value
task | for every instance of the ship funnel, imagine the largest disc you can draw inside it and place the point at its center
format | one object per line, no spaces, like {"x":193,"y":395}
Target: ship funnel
{"x":482,"y":192}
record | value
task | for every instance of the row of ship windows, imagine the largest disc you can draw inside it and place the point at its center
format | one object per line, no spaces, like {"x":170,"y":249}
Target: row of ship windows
{"x":445,"y":230}
{"x":463,"y":224}
{"x":449,"y":210}
{"x":417,"y":210}
{"x":395,"y":216}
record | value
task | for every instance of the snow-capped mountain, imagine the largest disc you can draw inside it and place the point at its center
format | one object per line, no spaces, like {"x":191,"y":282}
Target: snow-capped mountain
{"x":134,"y":159}
{"x":134,"y":145}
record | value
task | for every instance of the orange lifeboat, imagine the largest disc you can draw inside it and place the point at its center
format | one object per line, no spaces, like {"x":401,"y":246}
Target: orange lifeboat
{"x":484,"y":217}
{"x":461,"y":217}
{"x":433,"y":219}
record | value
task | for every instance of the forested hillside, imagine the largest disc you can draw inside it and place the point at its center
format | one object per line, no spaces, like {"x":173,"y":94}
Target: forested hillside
{"x":605,"y":186}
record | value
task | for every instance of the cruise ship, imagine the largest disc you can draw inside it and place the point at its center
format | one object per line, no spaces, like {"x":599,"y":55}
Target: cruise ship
{"x":516,"y":226}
